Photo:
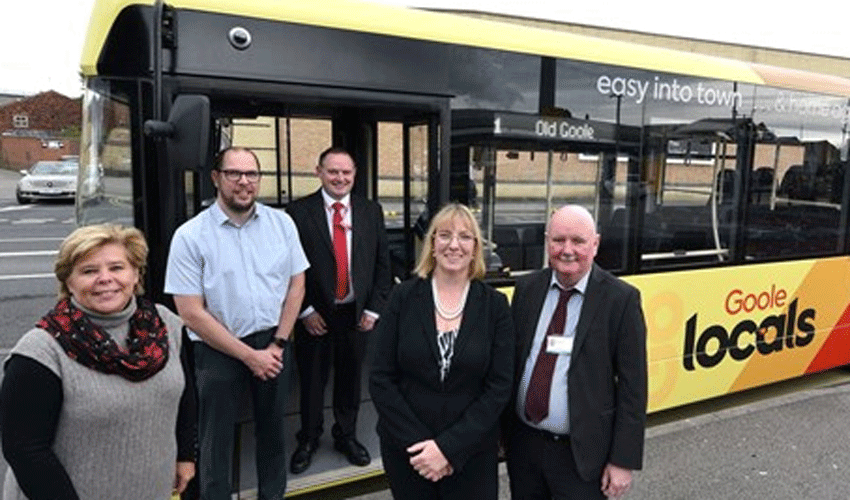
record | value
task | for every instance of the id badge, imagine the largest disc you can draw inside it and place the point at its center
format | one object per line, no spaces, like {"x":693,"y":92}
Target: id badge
{"x":559,"y":344}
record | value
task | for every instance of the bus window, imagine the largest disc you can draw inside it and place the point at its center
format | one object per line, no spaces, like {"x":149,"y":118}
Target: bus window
{"x":612,"y":212}
{"x":489,"y":79}
{"x":795,"y":213}
{"x":515,"y":168}
{"x":520,"y":205}
{"x":403,"y":189}
{"x":417,"y":145}
{"x":797,"y":184}
{"x":302,"y":140}
{"x":390,"y":136}
{"x":258,"y":135}
{"x":529,"y":184}
{"x":288,"y":149}
{"x":105,"y":192}
{"x":688,"y":216}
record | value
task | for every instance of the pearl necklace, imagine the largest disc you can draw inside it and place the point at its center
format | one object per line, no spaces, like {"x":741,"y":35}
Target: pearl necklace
{"x":442,"y":311}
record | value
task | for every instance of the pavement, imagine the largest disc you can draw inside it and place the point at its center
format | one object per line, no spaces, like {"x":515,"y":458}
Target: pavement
{"x":794,"y":446}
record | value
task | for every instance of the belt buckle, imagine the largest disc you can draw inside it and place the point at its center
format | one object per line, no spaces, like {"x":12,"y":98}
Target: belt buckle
{"x":551,"y":436}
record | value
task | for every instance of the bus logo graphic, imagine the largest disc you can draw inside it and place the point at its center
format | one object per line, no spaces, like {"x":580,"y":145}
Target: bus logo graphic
{"x":775,"y":333}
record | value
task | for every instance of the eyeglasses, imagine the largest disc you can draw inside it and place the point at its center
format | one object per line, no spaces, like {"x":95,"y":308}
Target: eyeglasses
{"x":446,"y":237}
{"x":235,"y":175}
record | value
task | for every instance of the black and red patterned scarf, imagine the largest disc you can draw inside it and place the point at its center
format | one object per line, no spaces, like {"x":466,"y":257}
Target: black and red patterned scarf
{"x":147,"y":342}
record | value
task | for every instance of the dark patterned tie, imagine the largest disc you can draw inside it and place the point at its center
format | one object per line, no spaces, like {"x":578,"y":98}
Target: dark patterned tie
{"x":340,"y":252}
{"x":540,"y":385}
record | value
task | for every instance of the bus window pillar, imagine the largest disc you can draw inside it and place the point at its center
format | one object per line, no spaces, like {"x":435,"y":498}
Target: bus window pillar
{"x":744,"y":158}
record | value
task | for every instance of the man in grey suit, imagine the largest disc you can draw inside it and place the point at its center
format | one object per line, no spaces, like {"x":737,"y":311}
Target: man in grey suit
{"x":344,"y":237}
{"x":575,"y":428}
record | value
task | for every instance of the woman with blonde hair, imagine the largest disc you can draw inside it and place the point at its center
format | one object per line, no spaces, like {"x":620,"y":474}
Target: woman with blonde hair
{"x":443,"y":369}
{"x":94,"y":402}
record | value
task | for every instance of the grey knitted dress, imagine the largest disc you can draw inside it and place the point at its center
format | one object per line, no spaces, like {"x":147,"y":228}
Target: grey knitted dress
{"x":115,"y":438}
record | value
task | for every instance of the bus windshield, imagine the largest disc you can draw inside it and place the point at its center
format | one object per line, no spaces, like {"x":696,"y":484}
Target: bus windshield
{"x":105,"y":192}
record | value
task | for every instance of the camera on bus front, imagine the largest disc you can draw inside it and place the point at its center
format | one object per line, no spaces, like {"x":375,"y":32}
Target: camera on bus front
{"x":239,"y":37}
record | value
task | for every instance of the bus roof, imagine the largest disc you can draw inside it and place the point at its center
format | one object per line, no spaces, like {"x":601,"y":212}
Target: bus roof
{"x":457,"y":29}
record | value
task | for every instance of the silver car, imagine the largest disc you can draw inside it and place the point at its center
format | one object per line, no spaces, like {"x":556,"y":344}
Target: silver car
{"x":48,"y":180}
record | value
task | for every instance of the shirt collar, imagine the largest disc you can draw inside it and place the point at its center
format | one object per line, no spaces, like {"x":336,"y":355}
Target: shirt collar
{"x":580,"y":287}
{"x":329,"y":201}
{"x":221,"y":218}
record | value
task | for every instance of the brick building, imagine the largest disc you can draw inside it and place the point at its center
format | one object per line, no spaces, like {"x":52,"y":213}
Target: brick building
{"x":42,"y":127}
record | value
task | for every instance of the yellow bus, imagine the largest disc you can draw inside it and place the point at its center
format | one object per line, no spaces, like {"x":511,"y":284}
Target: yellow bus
{"x":718,"y":186}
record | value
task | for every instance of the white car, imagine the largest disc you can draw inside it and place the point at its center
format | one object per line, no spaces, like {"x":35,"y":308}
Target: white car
{"x":48,"y":180}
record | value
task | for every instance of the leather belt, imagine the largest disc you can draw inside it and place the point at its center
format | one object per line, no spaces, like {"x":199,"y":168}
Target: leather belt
{"x":548,"y":436}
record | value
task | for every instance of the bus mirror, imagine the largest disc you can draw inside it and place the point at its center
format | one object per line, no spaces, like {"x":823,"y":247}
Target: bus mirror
{"x":190,"y":116}
{"x":186,"y":132}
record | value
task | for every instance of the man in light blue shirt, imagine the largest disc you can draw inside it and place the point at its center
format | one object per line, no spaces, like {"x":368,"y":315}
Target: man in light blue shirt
{"x":236,"y":271}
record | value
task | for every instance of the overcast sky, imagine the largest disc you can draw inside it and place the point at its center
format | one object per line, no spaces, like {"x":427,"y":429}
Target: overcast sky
{"x":44,"y":38}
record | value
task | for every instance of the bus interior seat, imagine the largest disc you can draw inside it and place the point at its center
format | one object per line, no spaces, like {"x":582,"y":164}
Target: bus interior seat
{"x":610,"y":254}
{"x":666,"y":229}
{"x":685,"y":227}
{"x":520,"y":246}
{"x":793,"y":230}
{"x":796,"y":184}
{"x":837,"y":184}
{"x":613,"y":237}
{"x":396,"y":246}
{"x":761,"y":185}
{"x":508,"y":246}
{"x":725,"y":185}
{"x":533,"y":243}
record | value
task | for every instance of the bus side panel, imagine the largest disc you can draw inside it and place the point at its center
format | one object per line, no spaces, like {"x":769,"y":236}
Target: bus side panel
{"x":718,"y":331}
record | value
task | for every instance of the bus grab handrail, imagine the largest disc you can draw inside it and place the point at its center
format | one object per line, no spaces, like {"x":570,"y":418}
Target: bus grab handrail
{"x":682,"y":254}
{"x":808,"y":203}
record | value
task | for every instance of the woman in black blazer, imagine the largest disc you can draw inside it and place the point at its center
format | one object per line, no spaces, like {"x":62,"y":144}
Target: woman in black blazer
{"x":443,"y":369}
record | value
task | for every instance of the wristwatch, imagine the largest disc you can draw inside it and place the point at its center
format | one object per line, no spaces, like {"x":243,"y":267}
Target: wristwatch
{"x":280,"y":341}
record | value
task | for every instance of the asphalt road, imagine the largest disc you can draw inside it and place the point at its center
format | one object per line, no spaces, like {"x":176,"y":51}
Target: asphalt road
{"x":29,"y":238}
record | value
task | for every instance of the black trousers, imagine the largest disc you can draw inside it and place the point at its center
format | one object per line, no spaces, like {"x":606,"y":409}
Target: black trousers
{"x":478,"y":480}
{"x":221,"y":381}
{"x":543,"y":468}
{"x":344,"y":347}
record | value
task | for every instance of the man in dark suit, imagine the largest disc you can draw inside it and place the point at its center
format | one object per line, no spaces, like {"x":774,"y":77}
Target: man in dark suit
{"x":344,"y":237}
{"x":575,"y":427}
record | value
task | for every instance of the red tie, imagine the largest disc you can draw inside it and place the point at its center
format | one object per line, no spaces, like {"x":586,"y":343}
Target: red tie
{"x":340,"y":252}
{"x":540,"y":385}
